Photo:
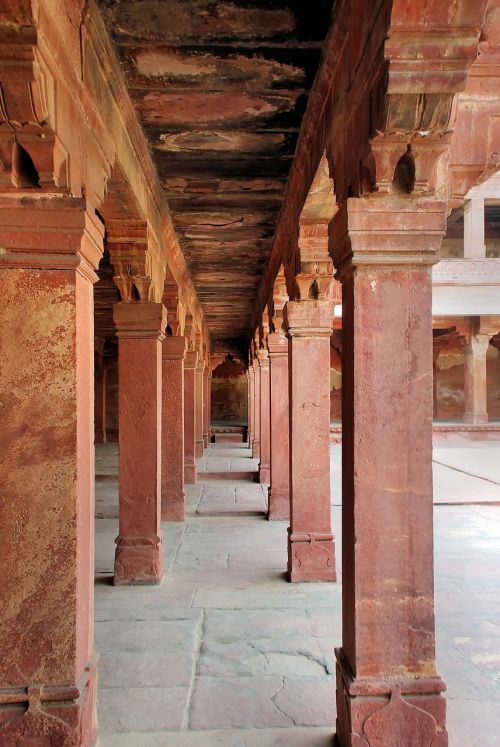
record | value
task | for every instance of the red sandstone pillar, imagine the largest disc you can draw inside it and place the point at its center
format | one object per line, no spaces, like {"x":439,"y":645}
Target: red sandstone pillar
{"x":311,"y":550}
{"x":206,"y":397}
{"x":100,"y":403}
{"x":250,"y":414}
{"x":388,"y":689}
{"x":50,"y":249}
{"x":190,"y":416}
{"x":279,"y":489}
{"x":475,"y":385}
{"x":256,"y":410}
{"x":173,"y":497}
{"x":199,"y":445}
{"x":139,"y":551}
{"x":265,"y":413}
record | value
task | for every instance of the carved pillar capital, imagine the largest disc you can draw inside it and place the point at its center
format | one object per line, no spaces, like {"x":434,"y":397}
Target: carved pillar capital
{"x":132,"y":251}
{"x":174,"y":348}
{"x":140,"y":320}
{"x":191,"y":359}
{"x":387,"y":231}
{"x":277,"y":344}
{"x":308,"y":318}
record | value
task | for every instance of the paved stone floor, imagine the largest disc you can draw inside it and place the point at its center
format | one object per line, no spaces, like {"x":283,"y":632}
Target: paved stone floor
{"x":225,"y":653}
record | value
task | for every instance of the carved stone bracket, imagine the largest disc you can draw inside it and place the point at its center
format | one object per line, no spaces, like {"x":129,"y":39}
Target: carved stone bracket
{"x":31,"y":155}
{"x":131,"y":254}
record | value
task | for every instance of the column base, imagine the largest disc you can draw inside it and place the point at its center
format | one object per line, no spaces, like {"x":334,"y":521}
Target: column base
{"x":391,"y":712}
{"x":311,"y":556}
{"x":190,"y":474}
{"x":173,"y":506}
{"x":138,"y":561}
{"x":199,"y":449}
{"x":264,"y":474}
{"x":475,"y":418}
{"x":256,"y":449}
{"x":62,"y":715}
{"x":278,"y":502}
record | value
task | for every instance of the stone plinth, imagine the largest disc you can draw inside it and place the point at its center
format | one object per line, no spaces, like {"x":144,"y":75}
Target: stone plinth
{"x":311,"y":550}
{"x":190,"y":416}
{"x":50,"y":249}
{"x":279,"y":489}
{"x":388,"y":690}
{"x":173,"y":497}
{"x":139,"y":552}
{"x":265,"y":413}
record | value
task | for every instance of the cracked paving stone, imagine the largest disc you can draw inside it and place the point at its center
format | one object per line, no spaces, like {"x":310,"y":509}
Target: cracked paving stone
{"x":296,"y":656}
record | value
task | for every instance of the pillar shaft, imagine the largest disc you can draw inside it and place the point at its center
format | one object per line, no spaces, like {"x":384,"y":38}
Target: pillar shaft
{"x":475,"y":382}
{"x":279,"y":489}
{"x":206,"y":399}
{"x":265,"y":414}
{"x":474,"y":246}
{"x":173,"y":497}
{"x":139,"y":551}
{"x":199,"y":443}
{"x":311,"y":550}
{"x":388,"y":690}
{"x":100,"y":403}
{"x":250,"y":414}
{"x":190,"y":416}
{"x":256,"y":410}
{"x":50,"y":249}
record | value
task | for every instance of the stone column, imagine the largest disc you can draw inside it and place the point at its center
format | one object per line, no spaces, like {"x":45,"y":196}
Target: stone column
{"x":256,"y":410}
{"x":279,"y":489}
{"x":190,"y":416}
{"x":199,"y":448}
{"x":100,"y":401}
{"x":250,"y":415}
{"x":475,"y":384}
{"x":265,"y":414}
{"x":311,"y":549}
{"x":206,"y":396}
{"x":474,"y":246}
{"x":388,"y":690}
{"x":173,"y":497}
{"x":51,"y":247}
{"x":139,"y":552}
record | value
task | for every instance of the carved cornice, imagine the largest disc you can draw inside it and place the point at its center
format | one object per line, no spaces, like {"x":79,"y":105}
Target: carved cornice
{"x":466,"y":272}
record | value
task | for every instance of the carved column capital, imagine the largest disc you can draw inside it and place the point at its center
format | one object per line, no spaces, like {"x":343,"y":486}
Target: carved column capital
{"x":174,"y":348}
{"x":263,"y":358}
{"x":140,"y":320}
{"x":131,"y":250}
{"x":308,"y":318}
{"x":277,"y":345}
{"x":191,"y":359}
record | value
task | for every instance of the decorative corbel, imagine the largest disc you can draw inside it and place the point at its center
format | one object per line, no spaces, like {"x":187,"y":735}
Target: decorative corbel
{"x":130,"y":249}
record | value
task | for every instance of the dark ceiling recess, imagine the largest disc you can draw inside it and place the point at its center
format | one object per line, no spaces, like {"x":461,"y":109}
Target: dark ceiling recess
{"x":220,"y":88}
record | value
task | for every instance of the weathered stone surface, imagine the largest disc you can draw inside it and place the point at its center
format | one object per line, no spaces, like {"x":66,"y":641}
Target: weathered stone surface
{"x":142,"y":708}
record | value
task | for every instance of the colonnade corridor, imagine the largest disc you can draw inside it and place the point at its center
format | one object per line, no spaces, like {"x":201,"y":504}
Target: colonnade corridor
{"x":226,"y":653}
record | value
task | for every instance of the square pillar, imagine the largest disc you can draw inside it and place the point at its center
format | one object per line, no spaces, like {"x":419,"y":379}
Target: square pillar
{"x":265,"y":414}
{"x":256,"y":410}
{"x":279,"y":489}
{"x":173,"y":497}
{"x":51,"y":247}
{"x":190,"y":416}
{"x":474,"y":246}
{"x":250,"y":415}
{"x":206,"y":406}
{"x":199,"y":443}
{"x":388,"y":689}
{"x":311,"y":548}
{"x":475,"y":382}
{"x":139,"y":552}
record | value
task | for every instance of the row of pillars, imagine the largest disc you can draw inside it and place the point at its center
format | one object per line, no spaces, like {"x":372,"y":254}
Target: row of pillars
{"x":164,"y":422}
{"x":289,"y":431}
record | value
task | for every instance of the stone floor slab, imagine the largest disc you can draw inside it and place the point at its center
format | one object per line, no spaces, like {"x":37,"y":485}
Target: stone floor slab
{"x":141,"y":708}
